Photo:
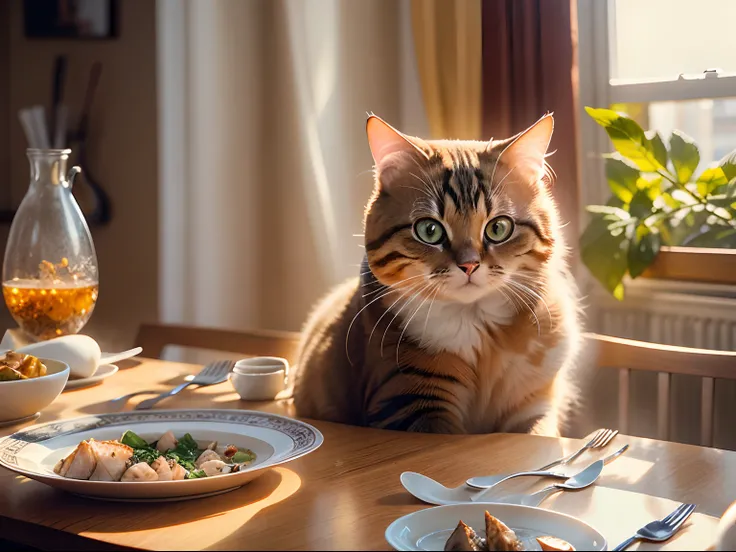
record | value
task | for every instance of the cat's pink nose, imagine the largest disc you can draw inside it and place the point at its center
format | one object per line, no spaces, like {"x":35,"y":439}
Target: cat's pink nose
{"x":469,"y":268}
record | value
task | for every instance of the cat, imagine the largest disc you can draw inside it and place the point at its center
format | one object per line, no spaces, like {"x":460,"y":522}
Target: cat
{"x":464,"y":318}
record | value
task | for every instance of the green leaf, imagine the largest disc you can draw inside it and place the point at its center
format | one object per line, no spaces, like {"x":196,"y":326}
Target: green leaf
{"x":605,"y":253}
{"x":133,"y":441}
{"x":607,"y":210}
{"x":187,"y":443}
{"x":684,"y":154}
{"x":196,"y":474}
{"x":728,"y":165}
{"x":660,"y":150}
{"x":641,"y":205}
{"x":652,"y":186}
{"x":621,"y":178}
{"x":628,"y":138}
{"x":710,"y":179}
{"x":643,"y":250}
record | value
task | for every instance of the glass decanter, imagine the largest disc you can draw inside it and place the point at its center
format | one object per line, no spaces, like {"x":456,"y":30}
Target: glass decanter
{"x":50,"y":279}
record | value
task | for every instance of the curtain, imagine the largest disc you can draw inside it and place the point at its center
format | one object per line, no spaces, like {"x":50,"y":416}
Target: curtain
{"x":530,"y":68}
{"x":265,"y":169}
{"x":447,"y":35}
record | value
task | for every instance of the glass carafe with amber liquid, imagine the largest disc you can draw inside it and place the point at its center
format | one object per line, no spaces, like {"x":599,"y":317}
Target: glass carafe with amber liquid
{"x":50,"y":280}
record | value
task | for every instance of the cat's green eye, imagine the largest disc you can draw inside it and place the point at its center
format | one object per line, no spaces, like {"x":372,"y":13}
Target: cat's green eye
{"x":429,"y":231}
{"x":499,"y":229}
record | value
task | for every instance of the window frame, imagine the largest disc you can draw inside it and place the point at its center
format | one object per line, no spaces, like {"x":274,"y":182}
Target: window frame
{"x":597,"y":89}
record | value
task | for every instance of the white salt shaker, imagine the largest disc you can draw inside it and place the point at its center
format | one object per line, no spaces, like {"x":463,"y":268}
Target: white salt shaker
{"x":726,"y":537}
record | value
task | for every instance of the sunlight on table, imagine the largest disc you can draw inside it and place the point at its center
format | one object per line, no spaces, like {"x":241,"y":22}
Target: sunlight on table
{"x":211,"y":529}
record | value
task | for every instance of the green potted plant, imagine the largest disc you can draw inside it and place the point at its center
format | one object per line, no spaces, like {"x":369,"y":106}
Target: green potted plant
{"x":659,"y":197}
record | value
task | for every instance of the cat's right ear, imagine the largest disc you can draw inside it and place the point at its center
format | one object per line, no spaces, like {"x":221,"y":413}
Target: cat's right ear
{"x":384,"y":140}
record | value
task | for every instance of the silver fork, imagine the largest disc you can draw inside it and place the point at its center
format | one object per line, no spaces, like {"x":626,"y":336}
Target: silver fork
{"x":601,"y":439}
{"x":661,"y":530}
{"x":211,"y":374}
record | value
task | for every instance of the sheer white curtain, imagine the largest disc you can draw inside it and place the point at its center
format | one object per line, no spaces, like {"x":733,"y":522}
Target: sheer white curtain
{"x":264,"y":168}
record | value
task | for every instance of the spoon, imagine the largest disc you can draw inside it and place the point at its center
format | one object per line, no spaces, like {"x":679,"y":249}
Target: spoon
{"x":117,"y":357}
{"x":580,"y":480}
{"x":430,"y":491}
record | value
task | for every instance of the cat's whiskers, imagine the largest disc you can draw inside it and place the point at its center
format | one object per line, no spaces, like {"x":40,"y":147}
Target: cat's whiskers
{"x":426,"y":320}
{"x":395,"y":284}
{"x":423,"y":190}
{"x":529,"y":307}
{"x":350,"y":327}
{"x":508,"y":298}
{"x":433,"y":189}
{"x":409,"y":301}
{"x":536,"y":295}
{"x":385,"y":312}
{"x":406,"y":324}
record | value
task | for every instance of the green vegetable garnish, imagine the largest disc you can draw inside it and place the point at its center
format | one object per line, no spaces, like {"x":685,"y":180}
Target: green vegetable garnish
{"x":197,"y":474}
{"x":133,"y":441}
{"x":243,"y":456}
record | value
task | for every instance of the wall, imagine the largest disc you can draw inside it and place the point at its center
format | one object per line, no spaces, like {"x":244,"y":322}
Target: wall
{"x":122,"y":153}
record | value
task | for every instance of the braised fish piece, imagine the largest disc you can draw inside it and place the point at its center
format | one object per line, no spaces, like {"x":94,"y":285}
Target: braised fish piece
{"x":112,"y":458}
{"x":140,"y":472}
{"x":167,"y":442}
{"x":162,"y":468}
{"x":206,"y":456}
{"x":80,"y":464}
{"x":177,"y":472}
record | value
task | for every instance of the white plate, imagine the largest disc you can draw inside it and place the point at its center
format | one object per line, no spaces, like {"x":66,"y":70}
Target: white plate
{"x":275,"y":439}
{"x":103,"y":371}
{"x":429,"y":529}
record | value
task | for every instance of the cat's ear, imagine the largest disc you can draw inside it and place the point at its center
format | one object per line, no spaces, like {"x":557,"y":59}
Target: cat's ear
{"x":527,"y":150}
{"x":384,"y":140}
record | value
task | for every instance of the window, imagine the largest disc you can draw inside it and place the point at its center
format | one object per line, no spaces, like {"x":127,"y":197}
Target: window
{"x":669,"y":64}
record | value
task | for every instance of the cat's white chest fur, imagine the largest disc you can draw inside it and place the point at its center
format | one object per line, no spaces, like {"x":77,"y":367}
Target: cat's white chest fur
{"x":458,"y":327}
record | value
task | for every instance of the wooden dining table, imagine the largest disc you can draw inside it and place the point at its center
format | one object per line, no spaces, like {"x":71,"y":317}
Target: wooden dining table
{"x":344,"y":495}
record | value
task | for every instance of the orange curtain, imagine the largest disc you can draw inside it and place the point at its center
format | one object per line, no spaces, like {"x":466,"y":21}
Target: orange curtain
{"x":530,"y":68}
{"x":447,"y":38}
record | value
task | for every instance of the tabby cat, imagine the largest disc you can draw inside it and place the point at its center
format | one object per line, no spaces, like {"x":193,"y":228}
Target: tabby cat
{"x":464,"y":317}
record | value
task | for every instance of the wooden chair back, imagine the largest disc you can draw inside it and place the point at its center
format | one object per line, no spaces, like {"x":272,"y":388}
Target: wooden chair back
{"x":154,"y":337}
{"x":627,"y":355}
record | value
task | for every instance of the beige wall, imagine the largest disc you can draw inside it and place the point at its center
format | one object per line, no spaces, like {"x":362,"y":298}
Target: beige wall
{"x":122,"y":153}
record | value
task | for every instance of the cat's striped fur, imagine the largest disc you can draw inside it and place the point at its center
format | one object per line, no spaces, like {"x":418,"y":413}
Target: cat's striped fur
{"x":416,"y":343}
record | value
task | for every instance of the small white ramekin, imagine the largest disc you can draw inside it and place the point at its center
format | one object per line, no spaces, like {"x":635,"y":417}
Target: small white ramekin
{"x":259,"y":378}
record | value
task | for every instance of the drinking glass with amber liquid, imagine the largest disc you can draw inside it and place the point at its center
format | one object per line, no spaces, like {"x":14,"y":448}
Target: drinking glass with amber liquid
{"x":50,"y":281}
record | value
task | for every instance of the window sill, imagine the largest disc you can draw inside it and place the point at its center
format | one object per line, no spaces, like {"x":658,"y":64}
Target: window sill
{"x":694,"y":264}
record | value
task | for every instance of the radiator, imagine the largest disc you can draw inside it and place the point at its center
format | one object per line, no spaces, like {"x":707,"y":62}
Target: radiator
{"x":674,"y":313}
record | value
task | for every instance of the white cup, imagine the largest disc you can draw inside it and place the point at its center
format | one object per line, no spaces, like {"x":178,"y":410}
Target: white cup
{"x":260,"y":378}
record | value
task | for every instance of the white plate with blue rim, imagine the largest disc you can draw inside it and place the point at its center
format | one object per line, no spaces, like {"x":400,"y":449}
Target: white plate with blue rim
{"x":34,"y":451}
{"x":430,"y":528}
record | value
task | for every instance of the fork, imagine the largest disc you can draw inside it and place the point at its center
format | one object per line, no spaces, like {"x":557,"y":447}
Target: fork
{"x":601,"y":439}
{"x":661,"y":530}
{"x":211,"y":374}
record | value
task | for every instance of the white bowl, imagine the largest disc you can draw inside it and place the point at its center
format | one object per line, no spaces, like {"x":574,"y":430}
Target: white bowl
{"x":259,"y":386}
{"x":23,"y":398}
{"x":261,"y":365}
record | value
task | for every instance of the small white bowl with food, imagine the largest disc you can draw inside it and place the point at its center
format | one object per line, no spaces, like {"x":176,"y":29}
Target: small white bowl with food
{"x":29,"y":384}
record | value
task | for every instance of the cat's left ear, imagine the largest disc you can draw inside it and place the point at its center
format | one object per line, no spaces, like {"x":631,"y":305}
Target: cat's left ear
{"x":384,"y":140}
{"x":527,"y":150}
